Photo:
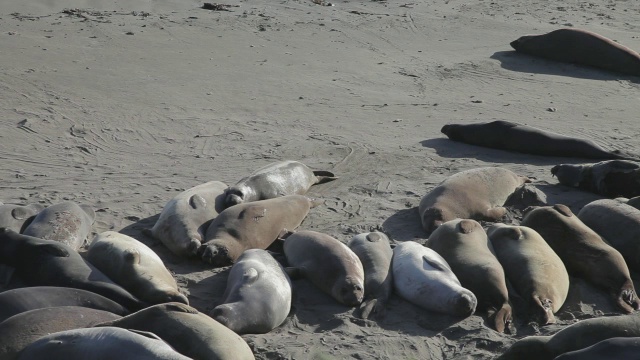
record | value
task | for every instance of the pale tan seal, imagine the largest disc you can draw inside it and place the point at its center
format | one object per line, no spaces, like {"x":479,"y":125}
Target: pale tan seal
{"x":472,"y":194}
{"x":66,"y":222}
{"x":135,"y":267}
{"x":533,"y":268}
{"x":465,"y":246}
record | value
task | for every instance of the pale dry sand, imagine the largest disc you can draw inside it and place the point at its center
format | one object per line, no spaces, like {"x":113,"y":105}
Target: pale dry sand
{"x":123,"y":104}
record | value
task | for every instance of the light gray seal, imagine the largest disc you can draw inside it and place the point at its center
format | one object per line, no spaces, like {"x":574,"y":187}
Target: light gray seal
{"x":18,"y":217}
{"x":135,"y":267}
{"x":258,"y":295}
{"x":66,"y":222}
{"x":584,"y":253}
{"x":614,"y":348}
{"x":328,"y":264}
{"x":465,"y":246}
{"x":424,"y":278}
{"x":278,"y":179}
{"x":100,"y":344}
{"x":254,"y":225}
{"x":611,"y":178}
{"x":374,"y":251}
{"x":190,"y":332}
{"x":533,"y":268}
{"x":477,"y":194}
{"x":618,"y":224}
{"x":185,"y":218}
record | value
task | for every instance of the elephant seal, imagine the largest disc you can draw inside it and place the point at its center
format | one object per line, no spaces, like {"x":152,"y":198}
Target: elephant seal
{"x":463,"y":243}
{"x":576,"y":336}
{"x":185,"y":218}
{"x":16,"y":301}
{"x":584,"y":253}
{"x":135,"y":267}
{"x":580,"y":47}
{"x":634,"y":201}
{"x":254,"y":225}
{"x":40,"y":262}
{"x":188,"y":331}
{"x":618,"y":224}
{"x":614,"y":348}
{"x":274,"y":180}
{"x":510,"y":136}
{"x":66,"y":222}
{"x":375,"y":254}
{"x":471,"y":194}
{"x":424,"y":278}
{"x":611,"y":178}
{"x":100,"y":344}
{"x":18,"y":217}
{"x":534,"y":270}
{"x":328,"y":263}
{"x":258,"y":295}
{"x":22,"y":329}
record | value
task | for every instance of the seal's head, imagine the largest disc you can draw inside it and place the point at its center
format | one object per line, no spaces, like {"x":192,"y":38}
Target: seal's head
{"x":568,"y":174}
{"x":216,"y":255}
{"x":349,"y":292}
{"x":233,"y":196}
{"x":465,"y":304}
{"x":224,"y":315}
{"x":522,"y":41}
{"x":432,"y":218}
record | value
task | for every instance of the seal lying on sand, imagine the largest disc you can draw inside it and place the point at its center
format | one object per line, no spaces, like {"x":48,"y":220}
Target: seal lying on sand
{"x":66,"y":222}
{"x":584,"y":253}
{"x":581,"y":47}
{"x":472,"y":194}
{"x":614,"y":348}
{"x":506,"y":135}
{"x":534,"y":270}
{"x":611,"y":178}
{"x":278,"y":179}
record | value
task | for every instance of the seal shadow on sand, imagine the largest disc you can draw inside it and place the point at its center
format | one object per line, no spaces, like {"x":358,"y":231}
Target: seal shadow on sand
{"x":404,"y":225}
{"x":514,"y":61}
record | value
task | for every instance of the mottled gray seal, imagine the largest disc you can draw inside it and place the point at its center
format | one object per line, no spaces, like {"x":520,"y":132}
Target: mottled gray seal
{"x":584,"y":253}
{"x":618,"y":224}
{"x":328,"y":264}
{"x":576,"y":336}
{"x":465,"y":246}
{"x":100,"y":344}
{"x":580,"y":47}
{"x":254,"y":225}
{"x":40,"y":262}
{"x":185,"y":218}
{"x":626,"y":348}
{"x":424,"y":278}
{"x":135,"y":267}
{"x":190,"y":332}
{"x":472,"y":194}
{"x":258,"y":295}
{"x":18,"y":217}
{"x":611,"y":178}
{"x":533,"y":268}
{"x":510,"y":136}
{"x":20,"y":300}
{"x":374,"y":251}
{"x":22,"y":329}
{"x":278,"y":179}
{"x":66,"y":222}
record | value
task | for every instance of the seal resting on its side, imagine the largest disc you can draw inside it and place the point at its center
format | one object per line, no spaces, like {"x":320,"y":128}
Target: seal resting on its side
{"x":66,"y":222}
{"x":611,"y":178}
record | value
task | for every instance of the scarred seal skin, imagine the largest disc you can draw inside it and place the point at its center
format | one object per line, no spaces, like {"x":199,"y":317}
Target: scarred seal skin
{"x":66,"y":222}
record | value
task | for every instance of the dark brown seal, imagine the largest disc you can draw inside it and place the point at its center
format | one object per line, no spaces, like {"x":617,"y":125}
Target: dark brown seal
{"x":581,"y":47}
{"x":614,"y":348}
{"x":611,"y":178}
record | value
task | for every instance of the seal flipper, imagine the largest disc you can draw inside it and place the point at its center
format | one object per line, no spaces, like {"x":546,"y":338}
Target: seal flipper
{"x":495,"y":213}
{"x":502,"y":318}
{"x":324,"y":176}
{"x":20,"y":213}
{"x":197,"y":202}
{"x":627,"y":299}
{"x":132,"y":256}
{"x":52,"y":249}
{"x":436,"y":265}
{"x":250,"y":276}
{"x":543,"y":310}
{"x":374,"y":307}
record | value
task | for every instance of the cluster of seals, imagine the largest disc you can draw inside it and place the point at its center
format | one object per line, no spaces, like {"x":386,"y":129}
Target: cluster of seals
{"x":612,"y":178}
{"x":66,"y":222}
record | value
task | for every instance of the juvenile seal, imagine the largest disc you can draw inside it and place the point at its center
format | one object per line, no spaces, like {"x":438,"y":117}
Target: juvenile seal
{"x":66,"y":222}
{"x":584,"y":253}
{"x":328,"y":264}
{"x":471,"y":194}
{"x":258,"y":295}
{"x":614,"y":348}
{"x":185,"y":218}
{"x":581,"y":47}
{"x":190,"y":332}
{"x":100,"y":344}
{"x":424,"y":278}
{"x":135,"y":267}
{"x":534,"y":270}
{"x":254,"y":225}
{"x":17,"y":217}
{"x":510,"y":136}
{"x":576,"y":336}
{"x":611,"y":178}
{"x":274,"y":180}
{"x":40,"y":262}
{"x":16,"y":301}
{"x":618,"y":224}
{"x":375,"y":254}
{"x":465,"y":246}
{"x":22,"y":329}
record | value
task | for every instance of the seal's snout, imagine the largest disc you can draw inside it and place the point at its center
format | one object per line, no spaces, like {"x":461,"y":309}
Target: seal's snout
{"x":178,"y":297}
{"x":554,"y":170}
{"x":215,"y":256}
{"x":233,"y":197}
{"x":352,"y":295}
{"x":218,"y":314}
{"x":466,"y":304}
{"x":445,"y":129}
{"x":515,"y":44}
